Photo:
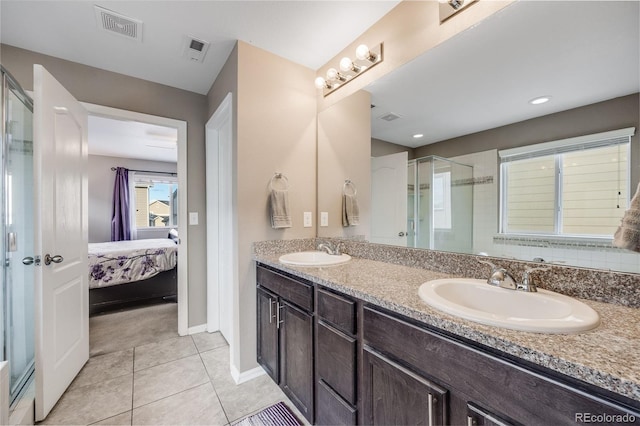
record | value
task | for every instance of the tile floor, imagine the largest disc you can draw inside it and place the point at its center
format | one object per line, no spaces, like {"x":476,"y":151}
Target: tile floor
{"x":142,"y":373}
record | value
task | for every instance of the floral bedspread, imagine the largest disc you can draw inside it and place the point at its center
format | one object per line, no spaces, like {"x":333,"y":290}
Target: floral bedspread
{"x":121,"y":262}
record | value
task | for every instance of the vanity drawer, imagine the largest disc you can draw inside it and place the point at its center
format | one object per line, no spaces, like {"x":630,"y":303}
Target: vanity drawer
{"x":337,"y":311}
{"x":292,"y":290}
{"x":331,"y":409}
{"x":336,"y":361}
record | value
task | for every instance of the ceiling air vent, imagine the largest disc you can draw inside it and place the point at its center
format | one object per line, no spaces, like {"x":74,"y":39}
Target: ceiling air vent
{"x":390,"y":116}
{"x":116,"y":23}
{"x":194,"y":49}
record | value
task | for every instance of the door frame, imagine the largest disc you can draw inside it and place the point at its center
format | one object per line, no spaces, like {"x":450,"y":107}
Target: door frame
{"x":220,"y":219}
{"x":183,"y":229}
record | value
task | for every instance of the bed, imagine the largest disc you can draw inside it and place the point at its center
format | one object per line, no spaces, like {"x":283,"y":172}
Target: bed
{"x":125,"y":273}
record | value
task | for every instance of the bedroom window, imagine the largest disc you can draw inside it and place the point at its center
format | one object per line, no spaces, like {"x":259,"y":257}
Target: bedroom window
{"x":156,"y":201}
{"x":576,"y":187}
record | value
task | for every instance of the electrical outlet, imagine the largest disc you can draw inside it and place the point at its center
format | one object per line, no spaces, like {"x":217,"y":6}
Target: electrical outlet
{"x":324,"y":218}
{"x":308,"y":220}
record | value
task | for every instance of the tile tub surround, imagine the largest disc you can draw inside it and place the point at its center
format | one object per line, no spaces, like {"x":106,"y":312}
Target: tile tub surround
{"x":605,"y":357}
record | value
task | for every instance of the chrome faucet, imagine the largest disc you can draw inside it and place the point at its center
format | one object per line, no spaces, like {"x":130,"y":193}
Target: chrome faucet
{"x":527,"y":283}
{"x":500,"y":277}
{"x":332,"y":249}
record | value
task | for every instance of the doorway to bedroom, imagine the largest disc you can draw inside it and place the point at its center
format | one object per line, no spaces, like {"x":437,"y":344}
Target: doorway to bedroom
{"x":137,"y":227}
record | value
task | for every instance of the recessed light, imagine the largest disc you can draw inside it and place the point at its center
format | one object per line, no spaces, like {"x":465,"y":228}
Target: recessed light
{"x":418,"y":135}
{"x":540,"y":100}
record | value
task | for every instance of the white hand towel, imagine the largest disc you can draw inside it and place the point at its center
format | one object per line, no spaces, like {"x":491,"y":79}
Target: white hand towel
{"x":350,"y":210}
{"x":628,"y":234}
{"x":280,"y":216}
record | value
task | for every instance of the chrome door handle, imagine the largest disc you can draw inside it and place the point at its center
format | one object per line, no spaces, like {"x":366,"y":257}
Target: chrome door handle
{"x":31,"y":260}
{"x":401,"y":234}
{"x":48,"y":259}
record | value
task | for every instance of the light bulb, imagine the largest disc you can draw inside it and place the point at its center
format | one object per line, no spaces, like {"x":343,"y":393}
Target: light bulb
{"x":320,"y":83}
{"x":362,"y":52}
{"x":346,"y":64}
{"x":332,"y":74}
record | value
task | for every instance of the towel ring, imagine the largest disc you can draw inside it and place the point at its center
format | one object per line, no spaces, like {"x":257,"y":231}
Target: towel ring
{"x":348,"y":184}
{"x":279,"y":177}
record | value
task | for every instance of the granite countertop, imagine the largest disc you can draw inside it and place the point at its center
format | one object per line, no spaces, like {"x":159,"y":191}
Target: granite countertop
{"x":606,"y":357}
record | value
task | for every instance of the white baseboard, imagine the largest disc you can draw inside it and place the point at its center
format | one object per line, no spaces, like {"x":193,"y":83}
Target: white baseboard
{"x":4,"y":392}
{"x":245,"y":376}
{"x":197,"y":329}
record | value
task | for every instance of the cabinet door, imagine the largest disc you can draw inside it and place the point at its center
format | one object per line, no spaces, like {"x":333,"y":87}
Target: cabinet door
{"x":296,"y":357}
{"x":395,"y":395}
{"x":268,"y":333}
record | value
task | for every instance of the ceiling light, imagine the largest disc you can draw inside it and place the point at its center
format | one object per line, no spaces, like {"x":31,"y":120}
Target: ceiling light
{"x":540,"y":100}
{"x":418,"y":135}
{"x":365,"y":59}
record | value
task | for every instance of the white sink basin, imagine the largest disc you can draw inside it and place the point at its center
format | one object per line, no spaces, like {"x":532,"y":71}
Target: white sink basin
{"x":313,"y":258}
{"x":542,"y":311}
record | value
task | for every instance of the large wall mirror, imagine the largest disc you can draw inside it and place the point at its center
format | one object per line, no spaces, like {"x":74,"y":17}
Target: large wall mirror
{"x":452,"y":151}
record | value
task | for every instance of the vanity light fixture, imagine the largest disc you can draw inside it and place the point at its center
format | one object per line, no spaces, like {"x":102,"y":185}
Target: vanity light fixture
{"x":540,"y":100}
{"x":365,"y":59}
{"x":448,"y":8}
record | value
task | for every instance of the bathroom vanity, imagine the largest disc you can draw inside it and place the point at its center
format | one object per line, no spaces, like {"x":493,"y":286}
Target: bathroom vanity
{"x":354,"y":344}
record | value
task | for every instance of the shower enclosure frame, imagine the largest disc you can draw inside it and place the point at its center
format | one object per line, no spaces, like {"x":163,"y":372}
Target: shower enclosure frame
{"x":19,"y":386}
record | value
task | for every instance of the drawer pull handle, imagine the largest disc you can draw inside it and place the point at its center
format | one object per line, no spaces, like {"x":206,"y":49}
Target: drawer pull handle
{"x":430,"y":407}
{"x":471,"y":421}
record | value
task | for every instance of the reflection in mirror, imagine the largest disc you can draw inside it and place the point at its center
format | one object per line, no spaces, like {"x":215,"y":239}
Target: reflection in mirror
{"x":469,"y":99}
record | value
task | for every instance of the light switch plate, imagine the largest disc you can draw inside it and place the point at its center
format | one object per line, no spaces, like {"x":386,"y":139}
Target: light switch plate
{"x":324,"y":218}
{"x":193,"y":218}
{"x":308,"y":220}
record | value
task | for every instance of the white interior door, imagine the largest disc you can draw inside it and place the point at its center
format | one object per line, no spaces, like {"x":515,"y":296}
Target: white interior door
{"x":389,"y":199}
{"x":61,"y":284}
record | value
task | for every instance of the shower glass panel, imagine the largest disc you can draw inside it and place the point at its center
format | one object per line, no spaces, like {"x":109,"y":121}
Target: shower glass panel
{"x":444,"y":208}
{"x":18,"y":234}
{"x":411,"y":203}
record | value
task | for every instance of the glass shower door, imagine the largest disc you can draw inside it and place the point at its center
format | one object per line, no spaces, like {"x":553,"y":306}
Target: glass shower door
{"x":18,"y":247}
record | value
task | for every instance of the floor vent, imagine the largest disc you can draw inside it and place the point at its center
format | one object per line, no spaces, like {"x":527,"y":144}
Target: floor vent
{"x":116,"y":23}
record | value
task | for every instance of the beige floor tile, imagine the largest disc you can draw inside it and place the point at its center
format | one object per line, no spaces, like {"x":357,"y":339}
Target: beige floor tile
{"x":119,"y":420}
{"x":239,"y":400}
{"x":104,"y":367}
{"x":208,"y":341}
{"x":128,"y":329}
{"x":92,"y":403}
{"x":164,"y":380}
{"x":157,"y":353}
{"x":196,"y":406}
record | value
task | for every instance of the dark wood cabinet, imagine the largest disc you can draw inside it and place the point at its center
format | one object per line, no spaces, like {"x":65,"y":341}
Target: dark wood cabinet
{"x":395,"y":395}
{"x":336,"y":359}
{"x":296,"y":357}
{"x":342,"y":361}
{"x":268,"y":333}
{"x":285,"y":335}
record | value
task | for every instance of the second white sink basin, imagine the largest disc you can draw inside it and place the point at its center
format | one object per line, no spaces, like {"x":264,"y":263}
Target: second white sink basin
{"x":542,"y":311}
{"x":313,"y":258}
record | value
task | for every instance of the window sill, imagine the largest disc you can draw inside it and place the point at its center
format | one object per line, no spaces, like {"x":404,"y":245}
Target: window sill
{"x":554,"y":241}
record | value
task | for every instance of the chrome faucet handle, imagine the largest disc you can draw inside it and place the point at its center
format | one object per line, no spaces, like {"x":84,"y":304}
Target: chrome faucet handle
{"x":486,"y":262}
{"x":527,"y":283}
{"x":500,"y":277}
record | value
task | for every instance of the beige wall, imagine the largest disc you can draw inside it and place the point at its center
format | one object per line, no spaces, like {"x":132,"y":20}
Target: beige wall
{"x":613,"y":114}
{"x":106,"y":88}
{"x":380,"y":148}
{"x":407,"y":31}
{"x":275,"y":131}
{"x":344,"y":152}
